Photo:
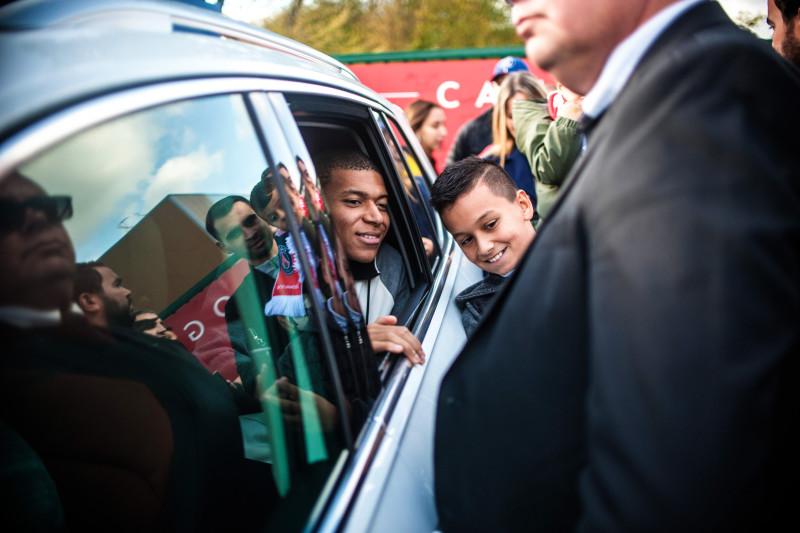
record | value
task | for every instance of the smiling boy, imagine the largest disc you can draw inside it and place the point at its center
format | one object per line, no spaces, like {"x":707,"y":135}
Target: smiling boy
{"x":490,"y":219}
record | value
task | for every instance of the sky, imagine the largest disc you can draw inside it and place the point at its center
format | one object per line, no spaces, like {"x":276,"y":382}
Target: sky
{"x":256,"y":10}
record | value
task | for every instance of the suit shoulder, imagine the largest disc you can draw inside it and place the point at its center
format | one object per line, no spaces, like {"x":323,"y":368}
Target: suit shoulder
{"x":706,"y":54}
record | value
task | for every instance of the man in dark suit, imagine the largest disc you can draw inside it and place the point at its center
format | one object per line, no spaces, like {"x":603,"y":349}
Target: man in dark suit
{"x":638,"y":372}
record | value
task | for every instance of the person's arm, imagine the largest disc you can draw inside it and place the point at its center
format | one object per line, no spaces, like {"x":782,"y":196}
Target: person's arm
{"x":551,"y":147}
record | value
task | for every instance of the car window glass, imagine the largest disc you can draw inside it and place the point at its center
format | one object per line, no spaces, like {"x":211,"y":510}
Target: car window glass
{"x":244,"y":300}
{"x":415,"y":186}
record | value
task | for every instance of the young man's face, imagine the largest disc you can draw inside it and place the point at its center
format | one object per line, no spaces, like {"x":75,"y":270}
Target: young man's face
{"x":359,"y":210}
{"x":245,"y":233}
{"x":785,"y":37}
{"x":117,"y":302}
{"x":492,"y":231}
{"x":573,"y":38}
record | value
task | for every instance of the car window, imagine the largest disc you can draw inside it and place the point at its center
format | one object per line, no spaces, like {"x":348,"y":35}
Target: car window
{"x":415,"y":186}
{"x":163,"y":198}
{"x":328,"y":125}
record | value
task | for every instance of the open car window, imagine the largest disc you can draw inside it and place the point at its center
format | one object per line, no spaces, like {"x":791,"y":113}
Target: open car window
{"x":259,"y":293}
{"x":415,"y":186}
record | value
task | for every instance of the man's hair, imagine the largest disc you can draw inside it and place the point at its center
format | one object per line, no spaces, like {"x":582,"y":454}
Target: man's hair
{"x":332,"y":160}
{"x":462,"y":176}
{"x":87,"y":279}
{"x":262,"y":192}
{"x":788,"y":9}
{"x":219,"y":210}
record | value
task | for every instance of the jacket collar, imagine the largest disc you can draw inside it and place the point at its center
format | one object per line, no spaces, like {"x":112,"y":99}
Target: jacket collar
{"x":624,"y":59}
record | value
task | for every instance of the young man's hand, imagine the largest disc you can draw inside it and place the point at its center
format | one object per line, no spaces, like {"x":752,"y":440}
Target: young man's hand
{"x":386,"y":336}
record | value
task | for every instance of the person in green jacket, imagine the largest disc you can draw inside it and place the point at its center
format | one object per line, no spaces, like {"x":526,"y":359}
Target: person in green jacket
{"x":551,"y":146}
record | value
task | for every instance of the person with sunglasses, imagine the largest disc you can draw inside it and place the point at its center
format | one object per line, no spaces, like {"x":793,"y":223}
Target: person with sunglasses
{"x":149,"y":323}
{"x":38,"y":260}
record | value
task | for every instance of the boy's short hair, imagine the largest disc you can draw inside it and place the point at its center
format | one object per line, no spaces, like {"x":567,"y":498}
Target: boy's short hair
{"x":326,"y":162}
{"x":262,"y":192}
{"x":462,"y":176}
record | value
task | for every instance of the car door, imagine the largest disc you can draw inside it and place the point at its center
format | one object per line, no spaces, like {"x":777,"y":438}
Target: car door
{"x":145,"y":167}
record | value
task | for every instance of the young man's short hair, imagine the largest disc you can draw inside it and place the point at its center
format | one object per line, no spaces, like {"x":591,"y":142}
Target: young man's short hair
{"x":87,"y":279}
{"x":462,"y":176}
{"x":219,"y":210}
{"x":327,"y":162}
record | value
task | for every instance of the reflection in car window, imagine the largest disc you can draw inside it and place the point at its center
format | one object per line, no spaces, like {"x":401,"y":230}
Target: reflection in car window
{"x":166,"y":198}
{"x":415,"y":186}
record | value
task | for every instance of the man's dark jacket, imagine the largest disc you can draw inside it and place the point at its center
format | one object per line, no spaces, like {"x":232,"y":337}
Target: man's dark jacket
{"x":639,"y":370}
{"x":472,"y":138}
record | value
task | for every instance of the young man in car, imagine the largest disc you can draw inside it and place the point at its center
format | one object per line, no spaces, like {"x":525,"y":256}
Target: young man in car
{"x":356,"y":197}
{"x":490,"y":219}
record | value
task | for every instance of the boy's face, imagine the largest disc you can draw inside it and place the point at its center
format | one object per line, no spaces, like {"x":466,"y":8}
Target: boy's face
{"x":359,"y":210}
{"x":492,"y":231}
{"x":274,"y":214}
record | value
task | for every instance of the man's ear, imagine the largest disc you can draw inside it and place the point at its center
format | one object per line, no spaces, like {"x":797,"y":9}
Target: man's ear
{"x":525,"y":204}
{"x":89,"y":303}
{"x":224,"y":248}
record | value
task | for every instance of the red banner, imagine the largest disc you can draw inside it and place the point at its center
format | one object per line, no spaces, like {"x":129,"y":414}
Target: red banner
{"x":200,"y":323}
{"x":461,"y":87}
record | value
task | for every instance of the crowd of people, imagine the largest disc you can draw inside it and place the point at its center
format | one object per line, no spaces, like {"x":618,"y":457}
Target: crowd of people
{"x":632,"y":352}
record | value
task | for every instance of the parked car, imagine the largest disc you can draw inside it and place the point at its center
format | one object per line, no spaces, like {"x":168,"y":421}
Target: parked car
{"x":146,"y":113}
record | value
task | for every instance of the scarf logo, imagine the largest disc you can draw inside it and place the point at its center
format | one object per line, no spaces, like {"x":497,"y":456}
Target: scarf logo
{"x":287,"y":265}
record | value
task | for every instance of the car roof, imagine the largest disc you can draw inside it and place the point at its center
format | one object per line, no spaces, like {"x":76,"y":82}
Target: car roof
{"x":54,"y":53}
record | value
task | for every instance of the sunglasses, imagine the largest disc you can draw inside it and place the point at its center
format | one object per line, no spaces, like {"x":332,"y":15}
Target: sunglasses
{"x":12,"y":212}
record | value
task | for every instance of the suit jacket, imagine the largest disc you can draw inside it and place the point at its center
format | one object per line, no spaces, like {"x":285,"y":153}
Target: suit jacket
{"x":639,"y":370}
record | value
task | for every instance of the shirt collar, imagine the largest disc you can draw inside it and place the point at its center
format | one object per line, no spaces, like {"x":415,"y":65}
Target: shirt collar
{"x":626,"y":56}
{"x":27,"y":317}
